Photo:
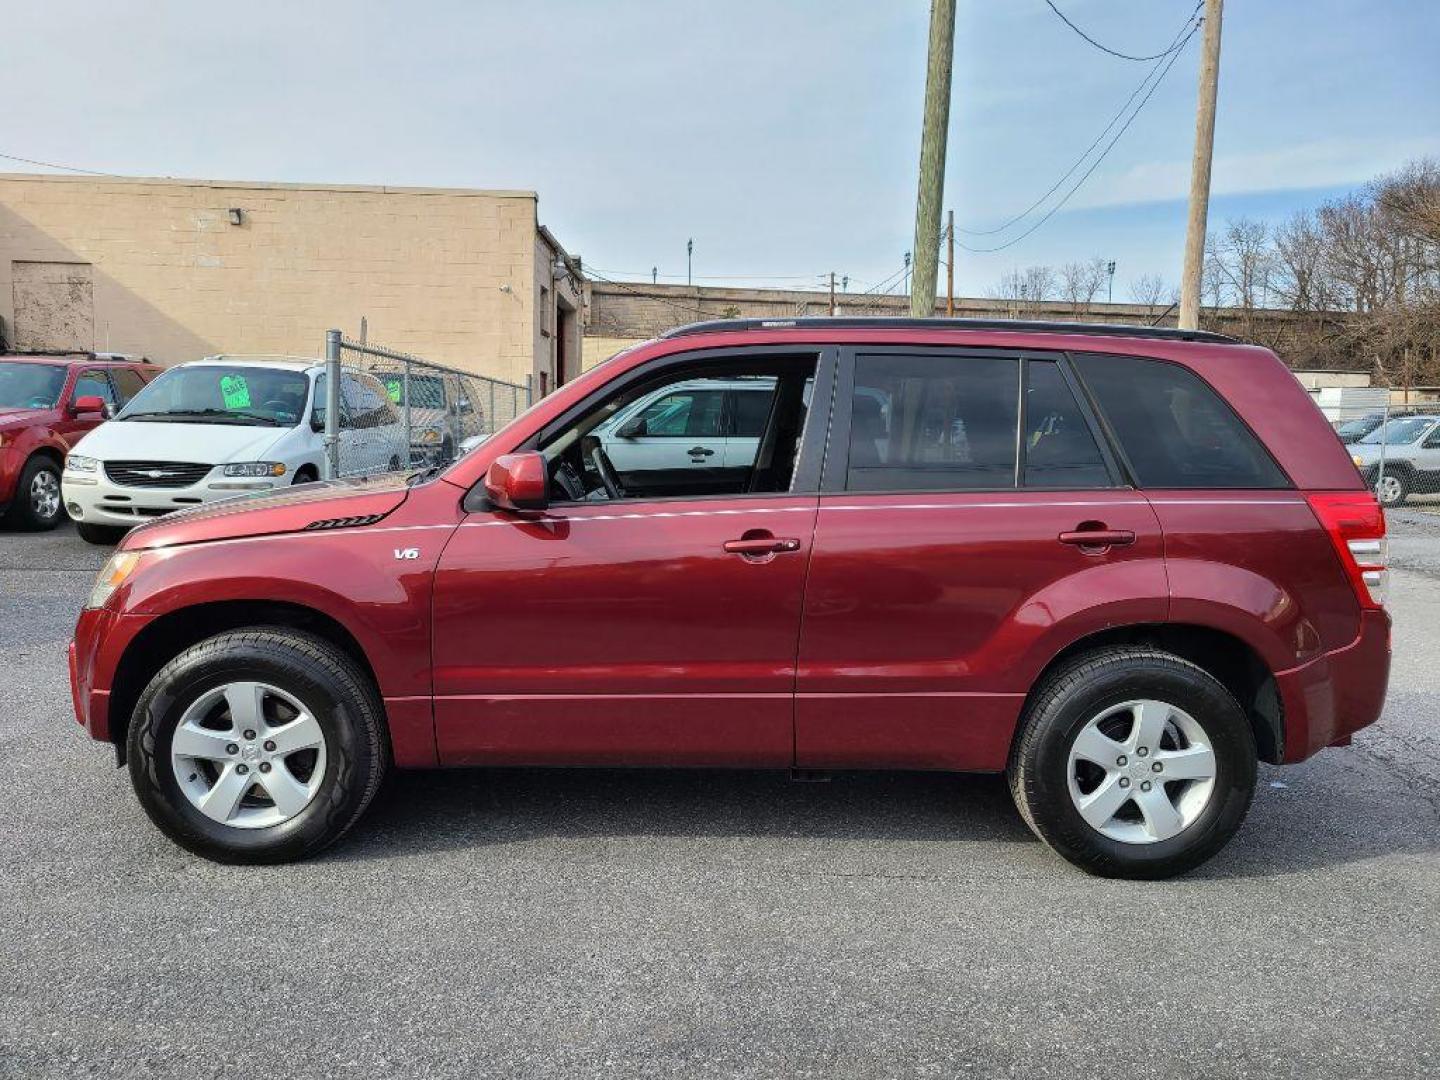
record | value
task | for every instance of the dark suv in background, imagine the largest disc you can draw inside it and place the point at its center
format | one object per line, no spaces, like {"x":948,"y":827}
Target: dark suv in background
{"x":1120,"y":565}
{"x":46,"y":404}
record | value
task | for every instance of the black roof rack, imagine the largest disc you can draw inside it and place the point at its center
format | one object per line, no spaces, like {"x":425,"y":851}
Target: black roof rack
{"x":1021,"y":326}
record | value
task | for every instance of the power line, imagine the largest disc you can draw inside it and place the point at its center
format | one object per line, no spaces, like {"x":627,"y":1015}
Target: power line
{"x":52,"y":165}
{"x":1189,"y":24}
{"x":1105,"y":48}
{"x":1165,"y":70}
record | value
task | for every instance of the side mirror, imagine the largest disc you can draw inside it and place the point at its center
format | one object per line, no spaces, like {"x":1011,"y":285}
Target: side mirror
{"x":90,"y":403}
{"x":634,"y":428}
{"x":518,"y":482}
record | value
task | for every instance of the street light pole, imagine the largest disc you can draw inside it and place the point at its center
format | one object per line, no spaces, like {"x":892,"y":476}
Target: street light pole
{"x":689,"y":253}
{"x":1110,"y":293}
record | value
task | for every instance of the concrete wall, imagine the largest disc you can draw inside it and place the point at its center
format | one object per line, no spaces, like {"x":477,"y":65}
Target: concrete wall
{"x":446,"y":274}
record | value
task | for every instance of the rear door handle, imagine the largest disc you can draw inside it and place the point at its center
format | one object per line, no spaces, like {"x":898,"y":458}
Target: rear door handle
{"x":701,"y":451}
{"x":762,"y":545}
{"x":1097,"y":537}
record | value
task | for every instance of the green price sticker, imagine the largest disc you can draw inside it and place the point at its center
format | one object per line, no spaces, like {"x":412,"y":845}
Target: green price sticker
{"x":393,"y":387}
{"x":235,"y":391}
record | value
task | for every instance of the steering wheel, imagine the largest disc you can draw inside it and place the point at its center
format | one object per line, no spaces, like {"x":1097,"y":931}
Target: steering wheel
{"x":608,"y":477}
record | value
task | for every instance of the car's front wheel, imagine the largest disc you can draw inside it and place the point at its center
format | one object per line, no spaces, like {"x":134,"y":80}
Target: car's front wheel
{"x":100,"y":535}
{"x":1131,"y":762}
{"x":37,"y":502}
{"x":1393,"y":489}
{"x":257,"y":746}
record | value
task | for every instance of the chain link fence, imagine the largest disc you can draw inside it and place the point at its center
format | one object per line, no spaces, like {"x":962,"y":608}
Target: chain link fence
{"x":1396,"y":447}
{"x":395,"y":410}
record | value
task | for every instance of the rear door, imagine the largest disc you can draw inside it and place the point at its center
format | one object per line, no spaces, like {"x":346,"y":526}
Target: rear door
{"x":950,"y":549}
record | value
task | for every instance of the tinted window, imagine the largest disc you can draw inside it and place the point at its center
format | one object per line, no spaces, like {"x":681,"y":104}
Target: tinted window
{"x":1397,"y":432}
{"x":1175,"y":430}
{"x":752,"y":409}
{"x":128,"y":382}
{"x":933,"y":423}
{"x":688,"y":413}
{"x":1060,"y":449}
{"x":93,"y":384}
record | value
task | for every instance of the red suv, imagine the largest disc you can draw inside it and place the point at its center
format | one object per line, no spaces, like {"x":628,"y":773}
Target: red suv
{"x":1120,"y":565}
{"x":46,"y":404}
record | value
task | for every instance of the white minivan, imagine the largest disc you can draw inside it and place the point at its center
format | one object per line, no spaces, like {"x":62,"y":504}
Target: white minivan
{"x":219,"y":427}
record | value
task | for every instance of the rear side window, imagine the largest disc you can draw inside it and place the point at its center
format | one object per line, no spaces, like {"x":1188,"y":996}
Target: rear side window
{"x":128,"y":382}
{"x":934,"y":423}
{"x":1175,"y":430}
{"x":1060,"y":448}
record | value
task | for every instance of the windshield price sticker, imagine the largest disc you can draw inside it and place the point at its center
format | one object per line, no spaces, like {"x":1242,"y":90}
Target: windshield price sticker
{"x":236,"y":391}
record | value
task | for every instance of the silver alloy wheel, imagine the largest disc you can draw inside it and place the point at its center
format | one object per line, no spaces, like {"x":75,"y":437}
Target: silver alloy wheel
{"x":248,"y":755}
{"x":45,"y":494}
{"x":1390,"y":489}
{"x":1141,"y":771}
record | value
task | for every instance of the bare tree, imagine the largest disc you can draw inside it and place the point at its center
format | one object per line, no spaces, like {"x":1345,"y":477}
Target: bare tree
{"x":1024,"y":290}
{"x":1081,"y":282}
{"x":1151,"y":291}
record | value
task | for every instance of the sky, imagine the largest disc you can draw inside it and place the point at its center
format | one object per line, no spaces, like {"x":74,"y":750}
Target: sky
{"x":781,"y":136}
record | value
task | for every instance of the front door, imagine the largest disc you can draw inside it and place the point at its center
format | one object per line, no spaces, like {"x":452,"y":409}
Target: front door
{"x":625,"y":629}
{"x":946,"y":557}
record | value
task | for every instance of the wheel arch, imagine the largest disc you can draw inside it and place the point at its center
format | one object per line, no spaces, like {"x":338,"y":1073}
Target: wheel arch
{"x":170,"y":634}
{"x":1232,"y":661}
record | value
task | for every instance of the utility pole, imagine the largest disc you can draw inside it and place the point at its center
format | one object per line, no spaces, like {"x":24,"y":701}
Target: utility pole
{"x":950,"y":265}
{"x":654,"y":275}
{"x":1191,"y":274}
{"x":932,"y":158}
{"x":832,"y":294}
{"x":689,"y":253}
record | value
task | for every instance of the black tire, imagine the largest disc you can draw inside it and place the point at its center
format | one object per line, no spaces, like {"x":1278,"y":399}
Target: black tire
{"x":103,"y":535}
{"x":24,"y":513}
{"x":1059,"y":709}
{"x":332,"y":688}
{"x":1398,"y":491}
{"x":306,"y":474}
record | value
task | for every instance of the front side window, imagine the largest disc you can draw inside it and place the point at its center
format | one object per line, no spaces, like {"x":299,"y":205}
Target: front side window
{"x":1174,"y":429}
{"x":30,"y":386}
{"x":93,"y":384}
{"x":128,"y":382}
{"x":691,"y":413}
{"x":680,"y":436}
{"x":934,"y":423}
{"x":221,"y":394}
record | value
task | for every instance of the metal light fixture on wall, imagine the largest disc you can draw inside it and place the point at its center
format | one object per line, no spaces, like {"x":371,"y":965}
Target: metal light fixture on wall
{"x":237,"y":216}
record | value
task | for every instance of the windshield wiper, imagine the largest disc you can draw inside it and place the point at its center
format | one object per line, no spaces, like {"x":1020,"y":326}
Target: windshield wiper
{"x":229,"y":414}
{"x":425,"y":474}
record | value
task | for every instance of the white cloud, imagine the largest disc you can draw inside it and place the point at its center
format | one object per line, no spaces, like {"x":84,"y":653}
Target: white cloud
{"x":1321,"y":163}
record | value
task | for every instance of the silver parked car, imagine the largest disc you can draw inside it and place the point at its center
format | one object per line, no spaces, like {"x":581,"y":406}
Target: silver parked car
{"x":1409,"y":447}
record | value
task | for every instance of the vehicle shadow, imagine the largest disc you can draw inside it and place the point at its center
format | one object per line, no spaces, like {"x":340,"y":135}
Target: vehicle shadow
{"x":1299,"y":827}
{"x":430,"y":811}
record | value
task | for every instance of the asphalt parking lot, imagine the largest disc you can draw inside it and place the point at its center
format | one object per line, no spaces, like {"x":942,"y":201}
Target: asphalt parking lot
{"x":561,"y":924}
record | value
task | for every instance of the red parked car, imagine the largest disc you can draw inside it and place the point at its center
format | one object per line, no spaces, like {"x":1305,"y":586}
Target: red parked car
{"x":46,"y":404}
{"x":1121,"y":565}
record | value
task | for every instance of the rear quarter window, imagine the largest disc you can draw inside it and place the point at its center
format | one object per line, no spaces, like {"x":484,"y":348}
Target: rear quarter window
{"x":1175,"y":431}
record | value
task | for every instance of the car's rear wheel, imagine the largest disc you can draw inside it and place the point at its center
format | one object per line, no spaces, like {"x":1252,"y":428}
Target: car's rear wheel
{"x":104,"y":535}
{"x":257,"y":746}
{"x":1393,"y":489}
{"x":1133,"y":763}
{"x":37,"y":504}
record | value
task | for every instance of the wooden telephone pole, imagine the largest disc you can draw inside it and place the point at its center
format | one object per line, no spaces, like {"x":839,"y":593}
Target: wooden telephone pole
{"x":950,"y":264}
{"x":1192,"y":273}
{"x":932,"y":158}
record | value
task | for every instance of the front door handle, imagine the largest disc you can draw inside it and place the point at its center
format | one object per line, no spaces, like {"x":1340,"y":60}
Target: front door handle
{"x":762,"y":545}
{"x":1097,"y":538}
{"x":701,"y":451}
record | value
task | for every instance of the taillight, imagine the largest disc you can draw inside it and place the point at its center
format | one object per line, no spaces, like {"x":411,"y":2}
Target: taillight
{"x":1356,"y":524}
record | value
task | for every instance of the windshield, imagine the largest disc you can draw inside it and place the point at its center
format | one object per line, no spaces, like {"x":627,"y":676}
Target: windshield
{"x":1356,"y":428}
{"x":222,"y":394}
{"x":426,"y":391}
{"x":30,"y":386}
{"x":1397,"y":432}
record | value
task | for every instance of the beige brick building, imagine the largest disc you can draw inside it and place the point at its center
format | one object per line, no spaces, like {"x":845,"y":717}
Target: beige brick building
{"x":177,"y":269}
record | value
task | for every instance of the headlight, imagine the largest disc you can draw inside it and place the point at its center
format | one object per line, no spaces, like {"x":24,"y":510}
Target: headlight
{"x":428,"y":435}
{"x":1358,"y":460}
{"x":121,"y":565}
{"x":256,"y":468}
{"x":76,"y":463}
